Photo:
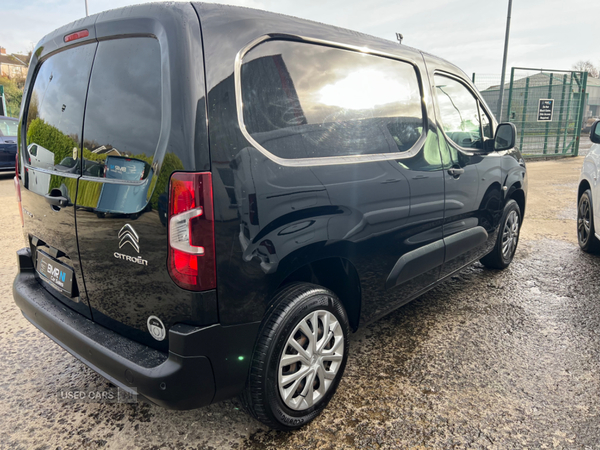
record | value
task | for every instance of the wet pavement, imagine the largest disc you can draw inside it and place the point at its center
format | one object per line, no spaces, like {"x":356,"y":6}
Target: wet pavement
{"x":488,"y":359}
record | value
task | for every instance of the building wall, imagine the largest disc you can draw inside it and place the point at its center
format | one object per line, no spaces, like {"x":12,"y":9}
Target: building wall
{"x":13,"y":70}
{"x":592,"y":107}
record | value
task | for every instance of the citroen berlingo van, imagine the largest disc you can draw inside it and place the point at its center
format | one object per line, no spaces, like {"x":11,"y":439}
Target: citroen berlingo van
{"x":214,"y":198}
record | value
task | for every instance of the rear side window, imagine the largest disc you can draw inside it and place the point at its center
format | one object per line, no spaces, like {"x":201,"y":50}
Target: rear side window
{"x":303,"y":100}
{"x":123,"y":112}
{"x":55,"y":111}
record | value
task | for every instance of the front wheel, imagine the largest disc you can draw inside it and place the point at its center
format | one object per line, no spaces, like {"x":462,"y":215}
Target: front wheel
{"x":586,"y":235}
{"x":508,"y":238}
{"x":299,"y":358}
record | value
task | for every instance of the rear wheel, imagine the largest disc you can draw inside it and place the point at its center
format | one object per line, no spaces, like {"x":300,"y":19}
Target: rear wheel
{"x":508,"y":238}
{"x":586,"y":235}
{"x":299,"y":357}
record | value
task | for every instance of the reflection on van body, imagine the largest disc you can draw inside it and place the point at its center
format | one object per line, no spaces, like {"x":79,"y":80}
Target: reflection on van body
{"x":124,"y":198}
{"x":39,"y":157}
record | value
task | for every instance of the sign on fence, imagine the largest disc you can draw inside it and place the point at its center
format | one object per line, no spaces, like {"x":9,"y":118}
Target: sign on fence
{"x":545,"y":110}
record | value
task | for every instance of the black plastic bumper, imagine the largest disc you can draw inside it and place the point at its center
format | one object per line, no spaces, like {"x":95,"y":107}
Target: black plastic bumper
{"x":169,"y":380}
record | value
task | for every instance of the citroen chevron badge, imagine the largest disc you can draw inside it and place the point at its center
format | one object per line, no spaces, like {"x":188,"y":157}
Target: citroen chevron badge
{"x":127,"y":235}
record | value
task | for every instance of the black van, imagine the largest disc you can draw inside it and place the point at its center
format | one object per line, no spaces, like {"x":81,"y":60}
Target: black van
{"x":219,"y":195}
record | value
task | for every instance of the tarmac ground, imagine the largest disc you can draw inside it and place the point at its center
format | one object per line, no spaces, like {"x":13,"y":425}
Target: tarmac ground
{"x":489,"y":359}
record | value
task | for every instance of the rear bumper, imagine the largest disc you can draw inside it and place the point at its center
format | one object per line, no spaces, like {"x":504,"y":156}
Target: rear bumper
{"x":167,"y":379}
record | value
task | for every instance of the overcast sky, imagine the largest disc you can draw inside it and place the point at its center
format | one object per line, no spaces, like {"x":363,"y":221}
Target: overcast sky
{"x":550,"y":34}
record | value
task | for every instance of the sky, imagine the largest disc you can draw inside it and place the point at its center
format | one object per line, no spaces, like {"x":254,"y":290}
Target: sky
{"x":549,"y":34}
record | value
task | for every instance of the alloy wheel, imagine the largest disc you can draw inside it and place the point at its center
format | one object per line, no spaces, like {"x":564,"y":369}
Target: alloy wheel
{"x":510,"y":235}
{"x":311,"y":359}
{"x":584,"y":220}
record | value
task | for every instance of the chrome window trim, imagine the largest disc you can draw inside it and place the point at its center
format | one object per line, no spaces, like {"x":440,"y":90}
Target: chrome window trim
{"x":87,"y":177}
{"x":114,"y":180}
{"x":327,"y":160}
{"x":53,"y":172}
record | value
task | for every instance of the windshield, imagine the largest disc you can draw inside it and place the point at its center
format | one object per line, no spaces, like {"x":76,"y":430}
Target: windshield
{"x":8,"y":127}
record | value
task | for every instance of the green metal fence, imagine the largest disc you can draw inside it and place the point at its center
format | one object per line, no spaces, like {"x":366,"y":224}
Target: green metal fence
{"x":545,"y":105}
{"x":3,"y":111}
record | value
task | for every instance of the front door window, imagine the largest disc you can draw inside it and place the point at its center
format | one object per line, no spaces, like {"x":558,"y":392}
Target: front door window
{"x":462,"y":119}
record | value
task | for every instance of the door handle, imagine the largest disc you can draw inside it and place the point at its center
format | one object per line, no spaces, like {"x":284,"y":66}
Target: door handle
{"x":456,"y":172}
{"x":59,"y":201}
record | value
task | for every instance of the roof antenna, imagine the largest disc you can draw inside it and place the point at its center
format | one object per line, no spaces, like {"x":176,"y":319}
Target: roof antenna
{"x":399,"y":37}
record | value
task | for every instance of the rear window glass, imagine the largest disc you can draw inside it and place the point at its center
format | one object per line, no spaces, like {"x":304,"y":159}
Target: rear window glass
{"x":55,"y":111}
{"x":123,"y":112}
{"x":303,"y":101}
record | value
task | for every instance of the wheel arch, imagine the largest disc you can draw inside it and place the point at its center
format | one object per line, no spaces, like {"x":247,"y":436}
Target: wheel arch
{"x":338,"y":275}
{"x":518,"y":195}
{"x":584,"y":185}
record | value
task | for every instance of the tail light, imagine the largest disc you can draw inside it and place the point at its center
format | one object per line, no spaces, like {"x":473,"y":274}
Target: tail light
{"x":18,"y":192}
{"x":18,"y":188}
{"x":268,"y":244}
{"x":191,"y":231}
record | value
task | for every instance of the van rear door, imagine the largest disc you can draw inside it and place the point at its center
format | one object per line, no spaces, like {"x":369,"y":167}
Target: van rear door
{"x":121,"y":239}
{"x":144,"y":119}
{"x":51,"y":159}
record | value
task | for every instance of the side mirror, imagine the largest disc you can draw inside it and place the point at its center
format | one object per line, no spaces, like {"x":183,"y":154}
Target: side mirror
{"x":595,"y":132}
{"x":506,"y":136}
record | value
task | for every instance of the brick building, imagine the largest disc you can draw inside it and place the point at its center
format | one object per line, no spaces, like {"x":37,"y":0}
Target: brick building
{"x":13,"y":66}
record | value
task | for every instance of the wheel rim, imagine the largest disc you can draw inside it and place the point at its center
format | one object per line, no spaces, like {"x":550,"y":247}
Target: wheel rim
{"x":311,"y":360}
{"x":510,"y":235}
{"x":584,"y":220}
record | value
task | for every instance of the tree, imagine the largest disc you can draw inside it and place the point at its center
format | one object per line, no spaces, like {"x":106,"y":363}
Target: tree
{"x":587,"y":66}
{"x":13,"y":95}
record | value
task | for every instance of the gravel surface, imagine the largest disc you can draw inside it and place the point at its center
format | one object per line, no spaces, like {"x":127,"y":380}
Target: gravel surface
{"x":489,"y":359}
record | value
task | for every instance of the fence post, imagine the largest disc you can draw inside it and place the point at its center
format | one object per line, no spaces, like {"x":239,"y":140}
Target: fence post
{"x":580,"y":112}
{"x":510,"y":91}
{"x":3,"y":101}
{"x":560,"y":117}
{"x":564,"y":150}
{"x":524,"y":114}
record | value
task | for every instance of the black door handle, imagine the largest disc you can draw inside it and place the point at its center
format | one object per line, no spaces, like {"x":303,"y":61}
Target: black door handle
{"x":59,"y":201}
{"x":456,"y":172}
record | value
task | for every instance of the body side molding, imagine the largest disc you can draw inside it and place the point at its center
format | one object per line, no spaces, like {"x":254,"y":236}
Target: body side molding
{"x":464,"y":241}
{"x":415,"y":263}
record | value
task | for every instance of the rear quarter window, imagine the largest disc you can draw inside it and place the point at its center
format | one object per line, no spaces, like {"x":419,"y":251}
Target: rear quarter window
{"x":303,"y":100}
{"x":123,"y":112}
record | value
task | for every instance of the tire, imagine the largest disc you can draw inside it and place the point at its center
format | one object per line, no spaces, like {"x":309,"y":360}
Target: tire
{"x":291,"y":318}
{"x":586,"y":235}
{"x":508,"y":238}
